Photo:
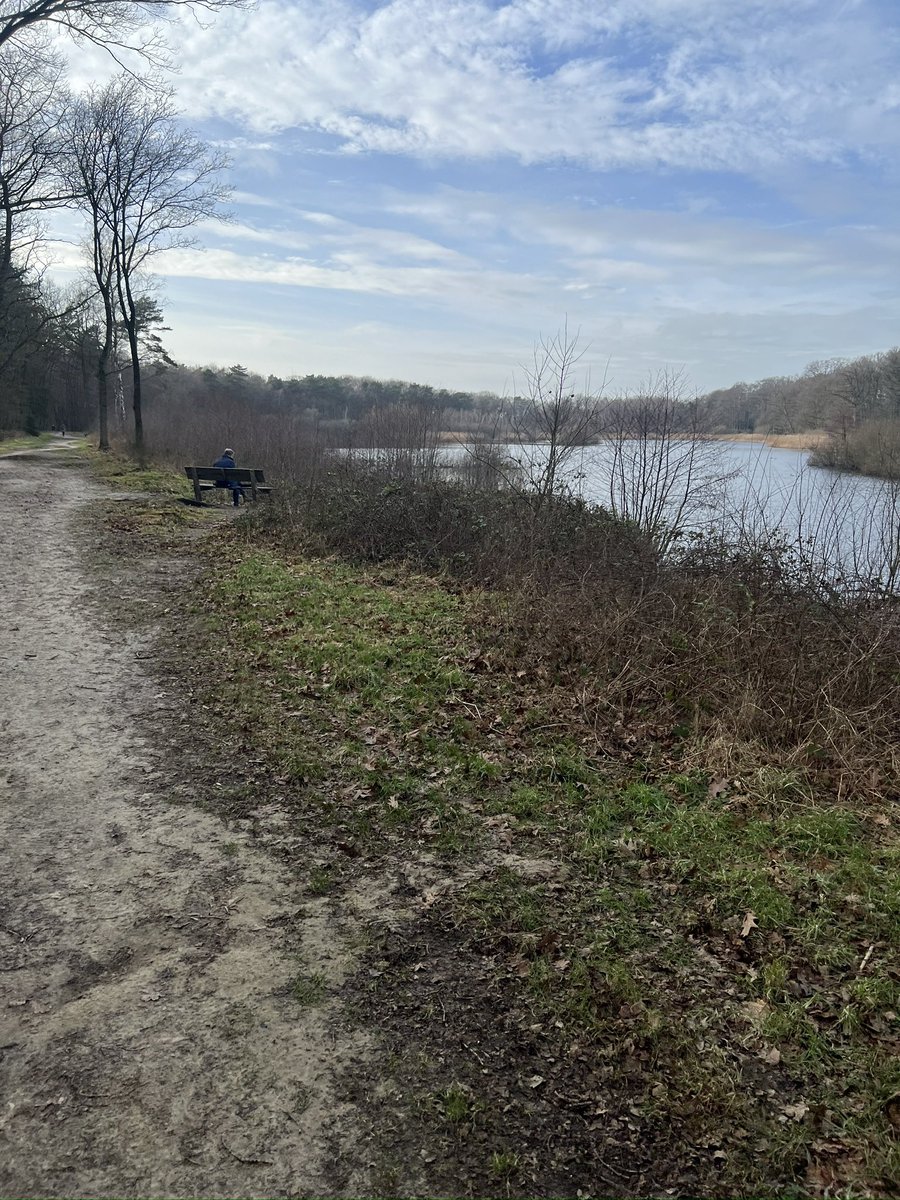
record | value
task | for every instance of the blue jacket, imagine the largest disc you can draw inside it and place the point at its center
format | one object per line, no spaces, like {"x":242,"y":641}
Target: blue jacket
{"x":227,"y":461}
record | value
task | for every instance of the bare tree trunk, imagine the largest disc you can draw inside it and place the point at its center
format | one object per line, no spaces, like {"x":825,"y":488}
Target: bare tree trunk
{"x":102,"y":369}
{"x":5,"y":238}
{"x":136,"y":396}
{"x":103,"y":396}
{"x":128,"y":308}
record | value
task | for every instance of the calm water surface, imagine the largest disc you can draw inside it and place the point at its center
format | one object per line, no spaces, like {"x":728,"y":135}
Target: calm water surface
{"x":851,"y":523}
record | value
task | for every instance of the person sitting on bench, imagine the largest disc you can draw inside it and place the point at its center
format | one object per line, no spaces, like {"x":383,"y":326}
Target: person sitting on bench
{"x":227,"y":460}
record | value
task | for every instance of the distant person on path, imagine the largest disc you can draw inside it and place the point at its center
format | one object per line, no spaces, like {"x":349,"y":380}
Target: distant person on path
{"x":227,"y":460}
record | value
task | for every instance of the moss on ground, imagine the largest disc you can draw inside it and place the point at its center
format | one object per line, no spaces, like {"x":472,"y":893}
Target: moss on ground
{"x":122,"y":473}
{"x":734,"y":941}
{"x":13,"y":444}
{"x":705,"y":970}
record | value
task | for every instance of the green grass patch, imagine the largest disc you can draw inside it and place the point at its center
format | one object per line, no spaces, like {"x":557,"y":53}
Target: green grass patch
{"x":321,"y":881}
{"x":457,"y":1105}
{"x":507,"y":902}
{"x":309,"y":990}
{"x":504,"y":1164}
{"x":125,"y":474}
{"x":11,"y":445}
{"x":731,"y":948}
{"x":348,"y":677}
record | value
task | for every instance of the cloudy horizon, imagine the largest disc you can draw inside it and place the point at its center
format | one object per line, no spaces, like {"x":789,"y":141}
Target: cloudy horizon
{"x":422,"y":189}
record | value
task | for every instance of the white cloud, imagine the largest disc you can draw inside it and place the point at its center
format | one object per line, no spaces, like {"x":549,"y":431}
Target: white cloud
{"x":353,"y":271}
{"x":330,"y":239}
{"x":346,"y":260}
{"x":700,"y":83}
{"x":647,"y":244}
{"x":252,"y":200}
{"x":716,"y":348}
{"x":534,"y":261}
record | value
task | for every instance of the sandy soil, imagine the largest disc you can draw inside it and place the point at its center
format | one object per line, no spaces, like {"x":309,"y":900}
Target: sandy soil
{"x":151,"y":1041}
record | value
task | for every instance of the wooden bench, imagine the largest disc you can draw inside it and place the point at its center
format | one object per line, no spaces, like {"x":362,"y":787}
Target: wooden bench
{"x":206,"y":479}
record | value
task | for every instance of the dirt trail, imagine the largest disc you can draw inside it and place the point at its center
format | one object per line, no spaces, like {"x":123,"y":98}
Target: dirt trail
{"x":151,"y":1042}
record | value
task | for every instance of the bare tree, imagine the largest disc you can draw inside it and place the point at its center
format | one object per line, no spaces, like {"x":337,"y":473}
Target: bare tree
{"x":660,"y":468}
{"x":859,"y":387}
{"x":553,"y":419}
{"x":86,"y":173}
{"x":31,"y":102}
{"x":112,"y":24}
{"x":403,"y":439}
{"x":145,"y":182}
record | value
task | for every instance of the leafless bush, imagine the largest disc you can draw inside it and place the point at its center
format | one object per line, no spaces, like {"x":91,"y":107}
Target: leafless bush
{"x":662,"y":470}
{"x":183,"y":431}
{"x":402,"y":439}
{"x":708,"y":640}
{"x":486,"y":467}
{"x":488,"y":537}
{"x":872,"y":448}
{"x":554,"y":417}
{"x":729,"y":644}
{"x":839,"y":530}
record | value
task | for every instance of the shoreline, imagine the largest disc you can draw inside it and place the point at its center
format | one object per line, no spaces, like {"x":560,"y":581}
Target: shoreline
{"x":812,"y":439}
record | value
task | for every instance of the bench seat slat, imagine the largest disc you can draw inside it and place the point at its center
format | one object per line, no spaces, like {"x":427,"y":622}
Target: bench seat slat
{"x":205,"y":479}
{"x":225,"y":474}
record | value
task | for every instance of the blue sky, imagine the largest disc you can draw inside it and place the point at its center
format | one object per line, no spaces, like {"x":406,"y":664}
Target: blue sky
{"x":422,"y":188}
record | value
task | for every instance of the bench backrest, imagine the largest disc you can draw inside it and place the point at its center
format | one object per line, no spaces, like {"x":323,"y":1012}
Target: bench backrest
{"x":225,"y":474}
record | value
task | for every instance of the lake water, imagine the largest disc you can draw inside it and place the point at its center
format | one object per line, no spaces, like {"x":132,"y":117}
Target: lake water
{"x":847,"y":524}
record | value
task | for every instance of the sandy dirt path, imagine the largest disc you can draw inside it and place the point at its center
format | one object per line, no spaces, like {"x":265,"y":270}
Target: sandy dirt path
{"x":151,"y":1041}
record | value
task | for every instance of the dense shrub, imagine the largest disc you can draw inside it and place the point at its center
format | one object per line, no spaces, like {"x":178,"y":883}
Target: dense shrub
{"x":716,"y":641}
{"x":873,"y":448}
{"x":487,"y":536}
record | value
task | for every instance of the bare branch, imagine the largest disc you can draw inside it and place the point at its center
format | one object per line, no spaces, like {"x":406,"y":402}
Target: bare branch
{"x":121,"y":24}
{"x":145,"y":182}
{"x":555,"y":417}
